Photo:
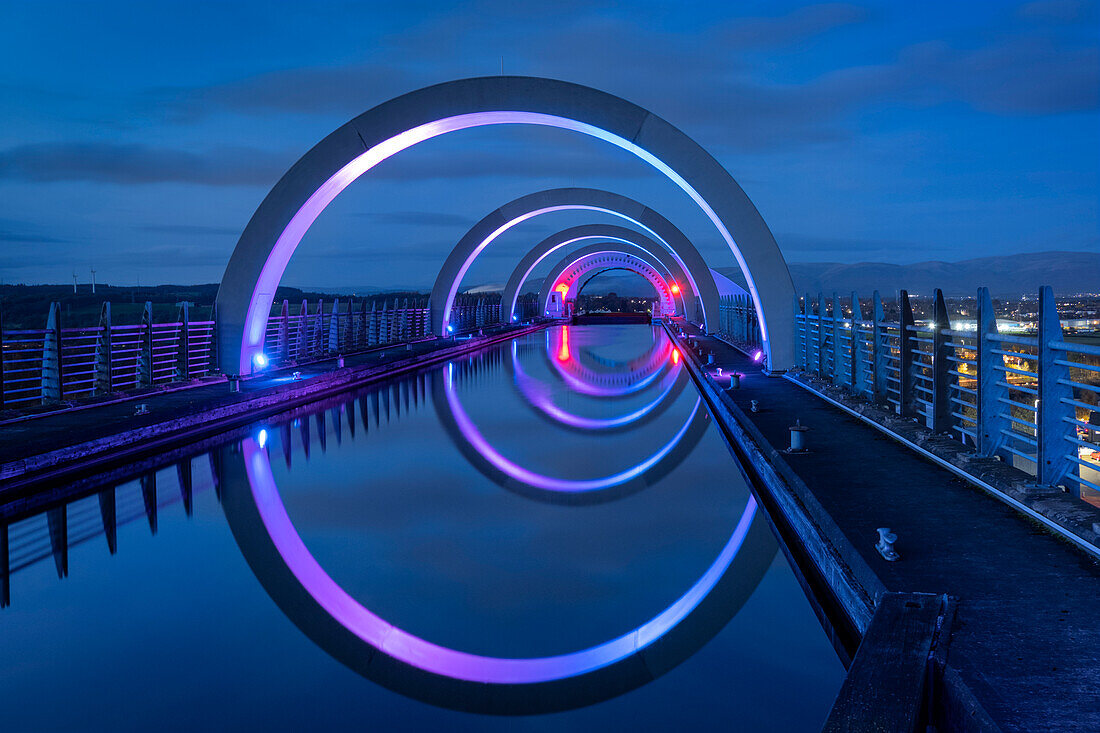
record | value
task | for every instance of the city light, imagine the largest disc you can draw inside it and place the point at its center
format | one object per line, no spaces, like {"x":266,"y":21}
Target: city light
{"x":261,"y":437}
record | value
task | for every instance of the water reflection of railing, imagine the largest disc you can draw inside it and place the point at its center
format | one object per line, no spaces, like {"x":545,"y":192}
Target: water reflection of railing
{"x":30,"y":535}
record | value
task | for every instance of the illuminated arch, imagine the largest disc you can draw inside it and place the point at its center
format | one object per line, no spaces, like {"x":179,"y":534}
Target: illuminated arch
{"x":290,"y":208}
{"x":629,"y":239}
{"x":659,"y":229}
{"x":574,"y":270}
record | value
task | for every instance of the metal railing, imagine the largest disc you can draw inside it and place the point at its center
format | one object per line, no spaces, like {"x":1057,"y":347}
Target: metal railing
{"x":59,"y":363}
{"x":1029,"y":399}
{"x":737,"y":320}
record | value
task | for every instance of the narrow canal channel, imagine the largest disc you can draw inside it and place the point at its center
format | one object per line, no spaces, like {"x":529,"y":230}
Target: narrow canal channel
{"x":549,"y":535}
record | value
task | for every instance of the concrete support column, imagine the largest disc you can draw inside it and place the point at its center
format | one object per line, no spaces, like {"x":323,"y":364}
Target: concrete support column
{"x":905,"y":355}
{"x":941,"y":379}
{"x":878,"y":349}
{"x":821,"y":371}
{"x":838,"y":347}
{"x":102,"y":381}
{"x":856,"y":375}
{"x":332,"y":342}
{"x":52,"y":372}
{"x":183,"y":343}
{"x":302,"y":347}
{"x":145,"y":355}
{"x":807,"y":333}
{"x":284,"y":333}
{"x":372,"y":325}
{"x":990,"y":394}
{"x":1055,"y":396}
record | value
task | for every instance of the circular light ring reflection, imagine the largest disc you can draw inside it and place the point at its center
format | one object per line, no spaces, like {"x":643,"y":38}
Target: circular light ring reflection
{"x":540,"y":481}
{"x":580,"y":377}
{"x":424,"y":655}
{"x":538,"y":395}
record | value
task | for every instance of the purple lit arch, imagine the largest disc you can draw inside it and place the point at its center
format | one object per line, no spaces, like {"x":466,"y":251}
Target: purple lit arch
{"x":614,"y":238}
{"x":659,"y":231}
{"x":576,"y":269}
{"x":278,"y":225}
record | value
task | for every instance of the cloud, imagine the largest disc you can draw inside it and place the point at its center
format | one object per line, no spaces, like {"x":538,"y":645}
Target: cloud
{"x":418,"y":218}
{"x":191,"y":230}
{"x":15,"y":232}
{"x":140,"y":164}
{"x":1059,"y":11}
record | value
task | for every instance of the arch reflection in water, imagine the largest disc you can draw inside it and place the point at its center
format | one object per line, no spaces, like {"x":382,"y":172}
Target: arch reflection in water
{"x":381,"y":650}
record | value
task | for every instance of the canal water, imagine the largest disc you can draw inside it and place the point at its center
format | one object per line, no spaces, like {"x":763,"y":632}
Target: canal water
{"x":548,"y":535}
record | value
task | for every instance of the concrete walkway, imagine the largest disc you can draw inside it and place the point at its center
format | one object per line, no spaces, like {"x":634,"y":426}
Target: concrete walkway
{"x":1025,"y":639}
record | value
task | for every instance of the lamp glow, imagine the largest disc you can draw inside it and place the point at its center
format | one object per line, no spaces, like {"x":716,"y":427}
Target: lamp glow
{"x":260,"y":360}
{"x":675,"y":289}
{"x":758,"y":355}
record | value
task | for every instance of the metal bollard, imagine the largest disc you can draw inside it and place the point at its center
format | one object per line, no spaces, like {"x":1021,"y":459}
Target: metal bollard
{"x":754,"y":405}
{"x":234,"y":384}
{"x":339,"y":362}
{"x":885,"y":546}
{"x":798,"y":441}
{"x":735,"y":383}
{"x":710,"y":357}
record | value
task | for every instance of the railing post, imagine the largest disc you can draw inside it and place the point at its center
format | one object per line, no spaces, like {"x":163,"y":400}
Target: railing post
{"x":857,"y":381}
{"x":333,"y":345}
{"x":1055,"y":431}
{"x":821,"y":335}
{"x":808,"y":306}
{"x":2,"y":358}
{"x":283,"y":346}
{"x":905,"y":355}
{"x":989,"y":406}
{"x":838,"y":350}
{"x":941,"y":382}
{"x":372,"y":325}
{"x":51,"y":357}
{"x":145,"y":355}
{"x":183,"y":346}
{"x":316,"y":341}
{"x":878,"y":349}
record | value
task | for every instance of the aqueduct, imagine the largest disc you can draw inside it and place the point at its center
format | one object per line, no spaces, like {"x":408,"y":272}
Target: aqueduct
{"x":290,"y":208}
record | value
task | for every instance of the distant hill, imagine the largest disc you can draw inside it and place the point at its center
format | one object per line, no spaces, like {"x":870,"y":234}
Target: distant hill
{"x":1009,"y":275}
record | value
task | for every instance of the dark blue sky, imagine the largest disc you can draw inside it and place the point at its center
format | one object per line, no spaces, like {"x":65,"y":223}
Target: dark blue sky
{"x":139,"y":137}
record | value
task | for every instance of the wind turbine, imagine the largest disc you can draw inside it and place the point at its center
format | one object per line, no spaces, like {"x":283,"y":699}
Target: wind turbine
{"x":74,"y":281}
{"x":93,"y":280}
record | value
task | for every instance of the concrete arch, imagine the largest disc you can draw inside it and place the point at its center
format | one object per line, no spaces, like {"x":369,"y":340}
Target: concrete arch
{"x":660,"y":229}
{"x":608,"y":233}
{"x":575,"y":270}
{"x":290,"y":208}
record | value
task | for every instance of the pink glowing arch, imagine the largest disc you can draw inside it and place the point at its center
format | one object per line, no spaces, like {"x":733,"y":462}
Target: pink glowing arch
{"x":278,"y":225}
{"x":576,"y":268}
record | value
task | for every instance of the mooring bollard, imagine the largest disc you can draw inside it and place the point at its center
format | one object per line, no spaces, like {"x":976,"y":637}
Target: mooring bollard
{"x":710,"y":357}
{"x":735,"y":383}
{"x":885,"y":546}
{"x":719,"y":371}
{"x":754,"y":405}
{"x":142,"y":409}
{"x":339,"y":362}
{"x":234,"y":384}
{"x":798,"y":443}
{"x":296,"y":376}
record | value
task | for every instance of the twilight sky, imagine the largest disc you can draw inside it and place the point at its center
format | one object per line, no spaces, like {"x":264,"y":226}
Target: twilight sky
{"x":138,"y":138}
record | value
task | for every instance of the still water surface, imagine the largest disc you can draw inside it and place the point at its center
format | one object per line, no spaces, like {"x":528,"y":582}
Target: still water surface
{"x":550,"y":534}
